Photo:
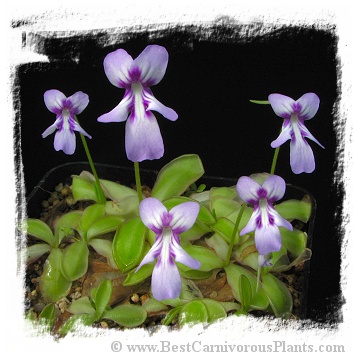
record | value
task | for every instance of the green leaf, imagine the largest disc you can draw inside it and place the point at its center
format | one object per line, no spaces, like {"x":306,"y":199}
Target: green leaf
{"x":116,"y":191}
{"x":294,"y":209}
{"x":102,"y":297}
{"x":152,"y":305}
{"x":225,"y":227}
{"x":193,"y":312}
{"x":83,"y":189}
{"x":279,"y":296}
{"x":226,"y":192}
{"x":38,"y":229}
{"x":76,"y":321}
{"x":36,"y":251}
{"x":90,"y":215}
{"x":66,"y":224}
{"x":294,"y":241}
{"x":81,"y":306}
{"x":223,"y":206}
{"x":126,"y":207}
{"x":48,"y":315}
{"x":53,"y":284}
{"x":126,"y":315}
{"x":215,"y":310}
{"x":175,"y":177}
{"x":259,"y":300}
{"x":195,"y":274}
{"x":245,"y":292}
{"x":104,"y":225}
{"x":128,"y":244}
{"x":75,"y":260}
{"x":219,"y":245}
{"x":143,"y":273}
{"x":170,"y":316}
{"x":104,"y":248}
{"x":206,"y":257}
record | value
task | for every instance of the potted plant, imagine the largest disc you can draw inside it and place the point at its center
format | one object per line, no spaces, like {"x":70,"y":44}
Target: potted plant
{"x":117,"y":248}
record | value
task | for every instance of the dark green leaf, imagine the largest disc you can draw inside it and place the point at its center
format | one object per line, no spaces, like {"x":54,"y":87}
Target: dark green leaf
{"x":279,"y":296}
{"x":175,"y":177}
{"x":104,"y":225}
{"x":75,"y":260}
{"x":77,"y":321}
{"x":126,"y":315}
{"x":38,"y":229}
{"x":53,"y":284}
{"x":128,"y":244}
{"x":193,"y":312}
{"x":102,"y":297}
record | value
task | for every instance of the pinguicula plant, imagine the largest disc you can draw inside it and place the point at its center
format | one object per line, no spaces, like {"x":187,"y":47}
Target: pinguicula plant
{"x":182,"y":252}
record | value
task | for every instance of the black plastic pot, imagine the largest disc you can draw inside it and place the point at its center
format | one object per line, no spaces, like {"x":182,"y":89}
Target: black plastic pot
{"x":124,"y":175}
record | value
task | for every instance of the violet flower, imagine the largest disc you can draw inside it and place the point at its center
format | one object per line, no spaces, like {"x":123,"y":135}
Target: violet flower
{"x":264,"y":220}
{"x":143,"y":137}
{"x":167,"y":225}
{"x":294,"y":114}
{"x":65,"y":109}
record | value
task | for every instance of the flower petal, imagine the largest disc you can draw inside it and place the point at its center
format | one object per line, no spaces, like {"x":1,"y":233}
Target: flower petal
{"x":251,"y":225}
{"x":154,"y":104}
{"x":120,"y":112}
{"x":65,"y":140}
{"x":307,"y":134}
{"x":150,"y":65}
{"x":143,"y":138}
{"x":181,"y":256}
{"x":116,"y":67}
{"x":280,"y":221}
{"x":78,"y":101}
{"x":183,"y":216}
{"x":275,"y":187}
{"x":75,"y":126}
{"x":282,"y":105}
{"x":301,"y":157}
{"x":309,"y":103}
{"x":153,"y":252}
{"x":53,"y":100}
{"x":51,"y":129}
{"x":267,"y":239}
{"x":284,"y":135}
{"x":248,"y":189}
{"x":166,"y":281}
{"x":152,"y":213}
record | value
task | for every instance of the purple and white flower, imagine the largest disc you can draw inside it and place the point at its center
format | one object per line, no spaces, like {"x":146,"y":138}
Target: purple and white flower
{"x":65,"y":110}
{"x":294,"y":114}
{"x":167,"y":225}
{"x":265,"y":220}
{"x":143,"y":137}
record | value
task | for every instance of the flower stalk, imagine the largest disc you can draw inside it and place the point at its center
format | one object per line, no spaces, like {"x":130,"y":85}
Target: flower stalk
{"x":101,"y":198}
{"x":138,"y":181}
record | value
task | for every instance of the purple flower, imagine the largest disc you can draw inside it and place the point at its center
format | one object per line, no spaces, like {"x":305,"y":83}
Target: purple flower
{"x":265,"y":220}
{"x":167,"y":225}
{"x":143,"y":137}
{"x":294,"y":114}
{"x":65,"y":109}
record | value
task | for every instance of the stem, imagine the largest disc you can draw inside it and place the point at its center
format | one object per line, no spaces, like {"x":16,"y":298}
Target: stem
{"x":234,"y":234}
{"x":274,"y":160}
{"x":258,"y":279}
{"x":98,"y":189}
{"x":138,"y":181}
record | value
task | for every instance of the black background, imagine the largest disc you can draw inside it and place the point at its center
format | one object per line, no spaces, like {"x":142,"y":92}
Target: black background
{"x":211,"y":76}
